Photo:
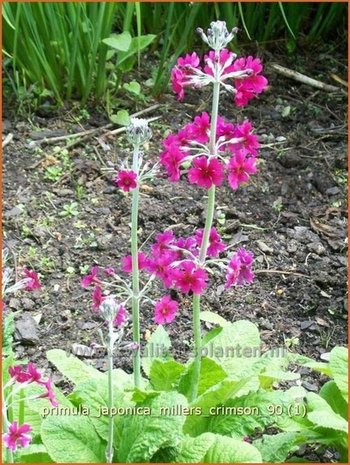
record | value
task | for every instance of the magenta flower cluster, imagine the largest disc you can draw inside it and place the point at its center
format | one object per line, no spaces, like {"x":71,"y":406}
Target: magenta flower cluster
{"x":188,"y":72}
{"x":237,"y":149}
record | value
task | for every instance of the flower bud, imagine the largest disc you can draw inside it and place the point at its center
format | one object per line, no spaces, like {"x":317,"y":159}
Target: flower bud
{"x":138,"y":131}
{"x":217,"y":36}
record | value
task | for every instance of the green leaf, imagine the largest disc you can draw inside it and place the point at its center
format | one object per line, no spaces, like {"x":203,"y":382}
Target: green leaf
{"x":145,"y":435}
{"x":72,"y":439}
{"x":214,"y":448}
{"x":321,"y":414}
{"x":93,"y":396}
{"x":71,"y":367}
{"x":34,"y":453}
{"x":137,"y":43}
{"x":211,"y":374}
{"x":133,"y":87}
{"x":164,"y":376}
{"x":277,"y":447}
{"x":330,"y":392}
{"x":338,"y":364}
{"x":120,"y":42}
{"x":212,"y":317}
{"x":157,"y":347}
{"x":121,"y":379}
{"x":122,"y":118}
{"x":236,"y":348}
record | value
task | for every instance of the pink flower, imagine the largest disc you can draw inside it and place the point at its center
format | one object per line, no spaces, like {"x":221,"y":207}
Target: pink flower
{"x":225,"y":59}
{"x":33,"y":282}
{"x":190,"y":278}
{"x":17,"y":436}
{"x":199,"y":130}
{"x":239,"y":270}
{"x":127,"y":262}
{"x":165,"y":310}
{"x":161,"y":267}
{"x":109,"y":271}
{"x":97,"y":297}
{"x":126,"y":180}
{"x":249,"y":86}
{"x":224,"y":129}
{"x":90,"y":278}
{"x":240,"y":168}
{"x":49,"y":394}
{"x":251,"y":143}
{"x":30,"y":375}
{"x":216,"y":246}
{"x":163,"y":242}
{"x":120,"y":317}
{"x":206,"y":172}
{"x":181,"y":73}
{"x":171,"y":159}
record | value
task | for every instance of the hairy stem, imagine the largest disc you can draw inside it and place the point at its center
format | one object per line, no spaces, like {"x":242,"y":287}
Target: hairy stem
{"x":109,"y":449}
{"x":204,"y":248}
{"x":135,"y":276}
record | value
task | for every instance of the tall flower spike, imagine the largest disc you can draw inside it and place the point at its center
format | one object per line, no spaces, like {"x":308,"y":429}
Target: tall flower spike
{"x":217,"y":36}
{"x":138,"y":131}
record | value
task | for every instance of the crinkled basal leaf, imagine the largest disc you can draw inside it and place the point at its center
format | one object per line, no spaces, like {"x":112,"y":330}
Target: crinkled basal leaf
{"x":246,"y":414}
{"x":217,"y":395}
{"x":121,"y":379}
{"x":157,"y":348}
{"x":93,"y":395}
{"x":331,"y":393}
{"x":214,"y":448}
{"x":213,"y":317}
{"x":276,"y":448}
{"x":211,"y":374}
{"x":34,"y":453}
{"x":145,"y":435}
{"x":321,"y":414}
{"x":338,"y":364}
{"x":164,"y":376}
{"x":72,"y":439}
{"x":236,"y":348}
{"x":73,"y":368}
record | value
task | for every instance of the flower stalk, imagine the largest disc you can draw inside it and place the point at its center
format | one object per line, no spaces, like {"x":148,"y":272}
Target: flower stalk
{"x":204,"y":247}
{"x":135,"y":274}
{"x":109,"y":449}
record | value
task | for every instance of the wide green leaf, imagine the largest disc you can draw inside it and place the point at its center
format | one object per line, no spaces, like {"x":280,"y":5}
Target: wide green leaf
{"x":157,"y":348}
{"x":331,"y":393}
{"x":214,"y":448}
{"x":321,"y":414}
{"x":73,"y":368}
{"x":120,"y":42}
{"x":236,"y":348}
{"x":276,"y":448}
{"x":212,"y":317}
{"x":164,"y":376}
{"x":339,"y":366}
{"x":145,"y":435}
{"x":72,"y":439}
{"x":34,"y":453}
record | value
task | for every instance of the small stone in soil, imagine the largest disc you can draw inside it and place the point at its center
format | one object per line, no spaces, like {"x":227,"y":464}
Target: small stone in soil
{"x":264,"y":247}
{"x":27,"y":304}
{"x":310,"y":386}
{"x":15,"y":303}
{"x":26,"y":330}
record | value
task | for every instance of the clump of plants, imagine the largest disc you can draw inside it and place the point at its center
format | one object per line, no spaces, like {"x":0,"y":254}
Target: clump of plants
{"x":218,"y":406}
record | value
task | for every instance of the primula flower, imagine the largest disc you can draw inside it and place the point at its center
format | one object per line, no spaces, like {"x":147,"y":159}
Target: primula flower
{"x":97,"y":297}
{"x":216,"y":244}
{"x":225,"y":60}
{"x":109,"y":271}
{"x":206,"y":172}
{"x":127,"y":262}
{"x":239,"y":270}
{"x":161,"y":267}
{"x":190,"y":278}
{"x":199,"y":130}
{"x":240,"y":168}
{"x":49,"y":394}
{"x":165,"y":310}
{"x":33,"y":282}
{"x":17,"y":436}
{"x":252,"y":85}
{"x":250,"y":143}
{"x":22,"y":375}
{"x":126,"y":180}
{"x":163,"y":242}
{"x":171,"y":159}
{"x":91,"y":277}
{"x":181,"y":73}
{"x":120,"y":317}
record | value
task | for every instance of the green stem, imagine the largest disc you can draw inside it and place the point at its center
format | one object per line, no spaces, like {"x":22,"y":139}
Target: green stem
{"x":135,"y":276}
{"x":21,"y":407}
{"x":109,"y":450}
{"x":5,"y":426}
{"x":204,"y":247}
